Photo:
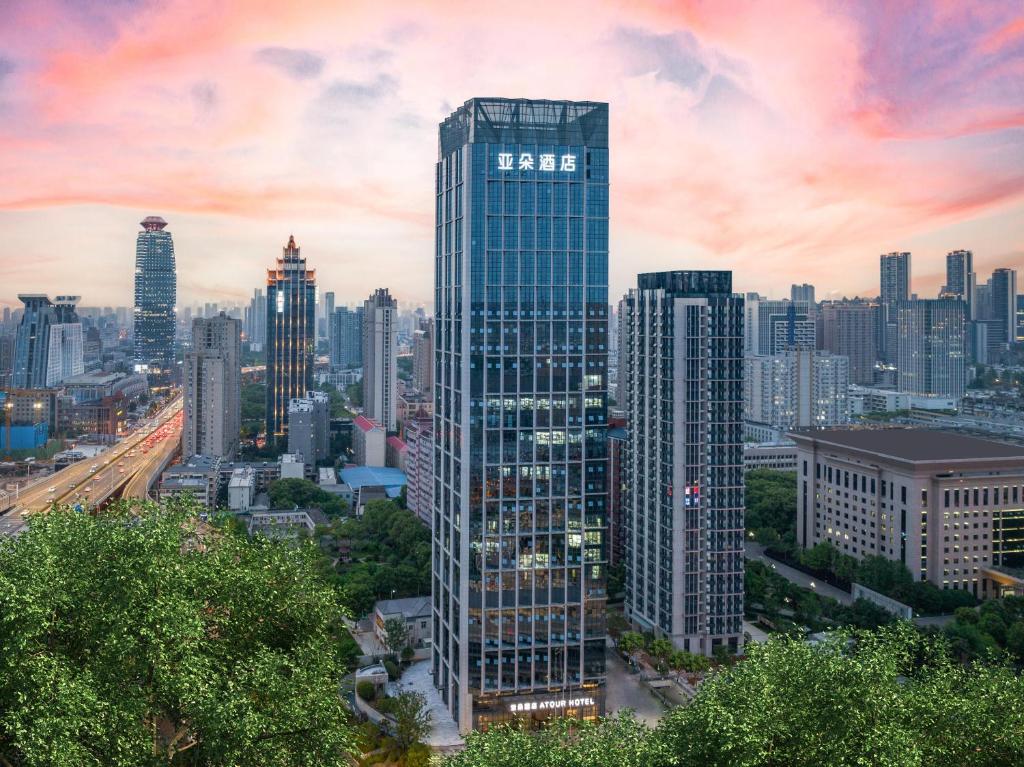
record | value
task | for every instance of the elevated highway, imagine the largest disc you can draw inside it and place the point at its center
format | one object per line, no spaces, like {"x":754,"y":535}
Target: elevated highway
{"x":128,"y":469}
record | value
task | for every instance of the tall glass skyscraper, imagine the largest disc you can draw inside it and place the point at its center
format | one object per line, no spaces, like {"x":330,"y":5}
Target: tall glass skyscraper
{"x":291,"y":335}
{"x":683,"y":499}
{"x":156,"y":287}
{"x":520,"y":388}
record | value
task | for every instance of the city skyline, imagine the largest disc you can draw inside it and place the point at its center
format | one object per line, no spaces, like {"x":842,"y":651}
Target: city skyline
{"x":319,"y":121}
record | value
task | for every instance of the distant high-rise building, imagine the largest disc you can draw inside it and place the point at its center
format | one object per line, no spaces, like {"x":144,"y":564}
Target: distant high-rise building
{"x":49,"y":344}
{"x":961,"y":281}
{"x":213,"y":388}
{"x":797,"y":390}
{"x":1004,"y":304}
{"x":324,"y":320}
{"x":346,"y":338}
{"x":683,"y":501}
{"x":156,"y":287}
{"x":257,"y":329}
{"x":309,"y":427}
{"x":423,"y":357}
{"x":850,"y":329}
{"x":931,"y":350}
{"x":894,"y":278}
{"x":1020,"y":319}
{"x":380,"y":370}
{"x":621,"y":357}
{"x":772,"y":326}
{"x":521,"y":323}
{"x":291,"y":335}
{"x":803,"y":293}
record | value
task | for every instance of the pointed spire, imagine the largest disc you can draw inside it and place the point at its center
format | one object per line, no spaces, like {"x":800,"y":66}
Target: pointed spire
{"x":291,"y":250}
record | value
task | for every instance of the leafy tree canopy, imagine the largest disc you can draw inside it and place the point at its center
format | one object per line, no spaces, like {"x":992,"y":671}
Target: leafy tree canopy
{"x":140,"y":636}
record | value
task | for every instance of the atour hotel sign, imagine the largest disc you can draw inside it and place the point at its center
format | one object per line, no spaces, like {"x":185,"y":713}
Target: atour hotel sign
{"x":542,"y":162}
{"x":550,"y":705}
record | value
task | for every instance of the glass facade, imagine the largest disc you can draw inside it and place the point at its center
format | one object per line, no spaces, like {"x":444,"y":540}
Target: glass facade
{"x":683,"y":468}
{"x":520,"y":463}
{"x":291,"y":336}
{"x":155,"y":294}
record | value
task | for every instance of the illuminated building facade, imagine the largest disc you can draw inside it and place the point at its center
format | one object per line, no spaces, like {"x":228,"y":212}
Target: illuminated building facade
{"x":520,"y":396}
{"x":291,"y":336}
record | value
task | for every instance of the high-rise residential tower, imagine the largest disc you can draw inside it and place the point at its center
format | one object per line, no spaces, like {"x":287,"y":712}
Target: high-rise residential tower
{"x":156,"y":286}
{"x":213,"y":388}
{"x":850,"y":328}
{"x":894,"y":281}
{"x":423,"y":357}
{"x":798,"y":389}
{"x":931,"y":351}
{"x":683,"y":486}
{"x":520,"y":393}
{"x":346,"y":338}
{"x":291,"y":335}
{"x":1004,"y":305}
{"x":257,"y":330}
{"x":961,"y":281}
{"x":804,"y":293}
{"x":380,"y":368}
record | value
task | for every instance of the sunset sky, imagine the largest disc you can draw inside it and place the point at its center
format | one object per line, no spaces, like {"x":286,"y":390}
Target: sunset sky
{"x":787,"y":141}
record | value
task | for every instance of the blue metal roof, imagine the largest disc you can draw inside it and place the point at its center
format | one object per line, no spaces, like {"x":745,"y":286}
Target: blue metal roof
{"x":358,"y":476}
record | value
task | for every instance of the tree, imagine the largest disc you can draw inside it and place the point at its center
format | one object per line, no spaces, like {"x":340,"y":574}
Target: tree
{"x":396,"y":635}
{"x":631,"y":642}
{"x":661,"y":648}
{"x":291,"y":493}
{"x":1015,"y":640}
{"x":141,"y":636}
{"x":412,"y":719}
{"x":619,"y":741}
{"x":892,"y":700}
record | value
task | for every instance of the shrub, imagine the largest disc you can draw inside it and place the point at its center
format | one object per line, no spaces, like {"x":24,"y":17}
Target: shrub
{"x":393,"y":671}
{"x":366,"y":690}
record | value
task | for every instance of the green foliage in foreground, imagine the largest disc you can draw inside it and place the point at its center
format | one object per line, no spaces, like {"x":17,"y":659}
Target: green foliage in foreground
{"x":130,"y":639}
{"x":896,"y":699}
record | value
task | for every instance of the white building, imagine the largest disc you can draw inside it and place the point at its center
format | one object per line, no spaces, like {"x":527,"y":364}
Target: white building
{"x":242,"y":489}
{"x":309,"y":426}
{"x":797,"y":390}
{"x":369,"y":442}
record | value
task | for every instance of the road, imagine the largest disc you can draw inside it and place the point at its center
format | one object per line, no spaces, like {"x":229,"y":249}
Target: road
{"x":756,"y":551}
{"x":134,"y":460}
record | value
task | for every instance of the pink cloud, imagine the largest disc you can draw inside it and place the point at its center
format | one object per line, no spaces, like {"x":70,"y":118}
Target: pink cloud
{"x":759,"y":136}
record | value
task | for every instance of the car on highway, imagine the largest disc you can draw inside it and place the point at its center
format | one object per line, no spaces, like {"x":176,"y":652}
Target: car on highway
{"x":51,"y":489}
{"x":72,"y":486}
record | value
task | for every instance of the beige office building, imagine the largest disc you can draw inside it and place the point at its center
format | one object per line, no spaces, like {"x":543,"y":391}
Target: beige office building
{"x":950,"y":507}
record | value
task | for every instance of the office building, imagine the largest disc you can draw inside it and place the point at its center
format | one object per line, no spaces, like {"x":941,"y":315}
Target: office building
{"x":948,"y":506}
{"x":156,"y":287}
{"x":380,"y":371}
{"x":48,"y":345}
{"x":797,"y":390}
{"x":683,"y":499}
{"x":345,"y":340}
{"x":327,"y":311}
{"x":309,"y":427}
{"x":291,"y":342}
{"x":213,"y":388}
{"x":423,"y":357}
{"x":894,"y":281}
{"x":1004,"y":305}
{"x":773,"y":326}
{"x":521,"y":324}
{"x":850,"y":329}
{"x":931,"y":350}
{"x":961,"y":281}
